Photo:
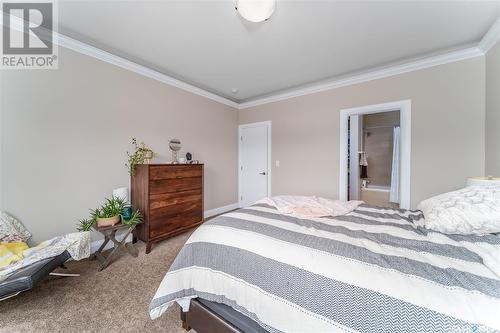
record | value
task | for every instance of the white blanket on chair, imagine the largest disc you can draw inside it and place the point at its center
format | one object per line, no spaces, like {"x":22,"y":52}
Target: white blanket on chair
{"x":77,"y":244}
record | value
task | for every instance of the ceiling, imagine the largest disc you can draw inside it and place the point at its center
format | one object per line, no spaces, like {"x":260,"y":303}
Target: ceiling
{"x":207,"y":44}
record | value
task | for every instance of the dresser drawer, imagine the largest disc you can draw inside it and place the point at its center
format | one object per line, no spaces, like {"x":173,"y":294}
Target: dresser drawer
{"x":165,"y":200}
{"x":177,"y":204}
{"x":161,"y":186}
{"x":175,"y":171}
{"x":158,"y":214}
{"x":160,"y":224}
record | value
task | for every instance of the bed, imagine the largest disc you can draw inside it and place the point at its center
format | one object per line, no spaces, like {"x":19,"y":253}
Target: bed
{"x":371,"y":270}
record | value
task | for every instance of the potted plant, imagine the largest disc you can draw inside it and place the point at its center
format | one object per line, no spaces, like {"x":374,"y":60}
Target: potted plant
{"x":136,"y":218}
{"x":108,"y":214}
{"x":85,"y":225}
{"x":141,"y":155}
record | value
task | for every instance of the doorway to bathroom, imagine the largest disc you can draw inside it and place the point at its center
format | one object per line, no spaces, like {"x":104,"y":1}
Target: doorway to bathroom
{"x":375,"y":154}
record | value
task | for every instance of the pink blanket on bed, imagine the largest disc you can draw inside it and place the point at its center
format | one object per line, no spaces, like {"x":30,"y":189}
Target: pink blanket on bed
{"x":310,"y":206}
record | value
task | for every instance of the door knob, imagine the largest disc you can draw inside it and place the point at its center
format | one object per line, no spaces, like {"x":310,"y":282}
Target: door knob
{"x":262,"y":173}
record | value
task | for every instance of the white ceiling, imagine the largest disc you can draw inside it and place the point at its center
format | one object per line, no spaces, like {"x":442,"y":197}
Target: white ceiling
{"x":207,"y":44}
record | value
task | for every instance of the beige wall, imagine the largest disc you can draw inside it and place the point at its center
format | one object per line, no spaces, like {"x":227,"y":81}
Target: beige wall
{"x":493,"y":111}
{"x":65,"y":133}
{"x":447,"y":129}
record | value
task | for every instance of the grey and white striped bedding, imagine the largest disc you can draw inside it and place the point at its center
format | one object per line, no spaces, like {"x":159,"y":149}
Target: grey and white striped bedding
{"x":371,"y":270}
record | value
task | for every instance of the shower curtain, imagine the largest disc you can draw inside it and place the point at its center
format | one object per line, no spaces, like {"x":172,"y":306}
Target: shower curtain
{"x":394,"y":194}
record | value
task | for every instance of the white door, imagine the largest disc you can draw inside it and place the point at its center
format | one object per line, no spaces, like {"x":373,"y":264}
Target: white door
{"x":254,"y":154}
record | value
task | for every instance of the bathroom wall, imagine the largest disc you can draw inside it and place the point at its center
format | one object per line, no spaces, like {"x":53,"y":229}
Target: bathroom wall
{"x":377,"y":142}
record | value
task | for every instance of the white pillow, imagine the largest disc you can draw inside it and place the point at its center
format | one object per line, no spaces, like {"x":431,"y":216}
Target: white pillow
{"x":471,"y":210}
{"x":11,"y":228}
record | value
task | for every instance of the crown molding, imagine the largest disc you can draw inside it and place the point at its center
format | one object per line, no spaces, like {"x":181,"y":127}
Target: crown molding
{"x":381,"y":72}
{"x":97,"y":53}
{"x":491,"y":37}
{"x":94,"y":52}
{"x":486,"y":43}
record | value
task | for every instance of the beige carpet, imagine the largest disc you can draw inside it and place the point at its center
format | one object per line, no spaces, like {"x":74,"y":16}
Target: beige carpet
{"x":114,"y":300}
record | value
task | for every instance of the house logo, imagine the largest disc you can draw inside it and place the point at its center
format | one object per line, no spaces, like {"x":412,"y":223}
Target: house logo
{"x":28,"y":35}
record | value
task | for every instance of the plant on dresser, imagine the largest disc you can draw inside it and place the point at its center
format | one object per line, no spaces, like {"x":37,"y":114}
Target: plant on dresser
{"x":170,"y":199}
{"x":142,"y":154}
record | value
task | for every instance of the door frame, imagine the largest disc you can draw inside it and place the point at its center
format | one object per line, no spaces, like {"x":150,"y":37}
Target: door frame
{"x":404,"y":108}
{"x":356,"y":122}
{"x":266,"y":124}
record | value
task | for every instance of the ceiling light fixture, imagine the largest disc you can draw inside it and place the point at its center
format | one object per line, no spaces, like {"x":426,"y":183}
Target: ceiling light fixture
{"x":256,"y":10}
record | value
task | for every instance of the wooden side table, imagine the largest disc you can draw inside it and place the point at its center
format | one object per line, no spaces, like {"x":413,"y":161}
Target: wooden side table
{"x":109,"y":233}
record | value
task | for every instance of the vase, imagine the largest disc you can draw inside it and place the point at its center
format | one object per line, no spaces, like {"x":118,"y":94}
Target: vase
{"x":148,"y":155}
{"x":127,"y":212}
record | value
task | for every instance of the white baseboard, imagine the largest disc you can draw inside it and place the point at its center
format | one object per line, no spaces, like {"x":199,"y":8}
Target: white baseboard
{"x":220,"y":210}
{"x":208,"y":213}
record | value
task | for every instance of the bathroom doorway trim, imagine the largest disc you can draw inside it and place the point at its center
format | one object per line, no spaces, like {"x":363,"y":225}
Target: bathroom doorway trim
{"x":404,"y":108}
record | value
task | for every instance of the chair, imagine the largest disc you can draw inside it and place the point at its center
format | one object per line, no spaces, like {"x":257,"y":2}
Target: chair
{"x":29,"y":277}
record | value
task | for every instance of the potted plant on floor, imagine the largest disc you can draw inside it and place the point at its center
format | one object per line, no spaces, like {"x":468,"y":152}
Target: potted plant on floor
{"x":108,"y":214}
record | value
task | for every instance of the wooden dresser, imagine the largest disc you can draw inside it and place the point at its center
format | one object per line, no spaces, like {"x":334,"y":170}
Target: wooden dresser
{"x":170,"y":198}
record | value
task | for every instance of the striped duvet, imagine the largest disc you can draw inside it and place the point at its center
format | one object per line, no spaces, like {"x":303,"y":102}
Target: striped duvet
{"x":371,"y":270}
